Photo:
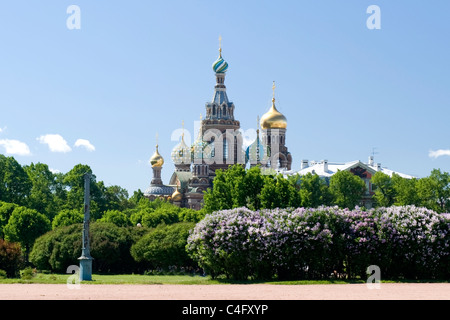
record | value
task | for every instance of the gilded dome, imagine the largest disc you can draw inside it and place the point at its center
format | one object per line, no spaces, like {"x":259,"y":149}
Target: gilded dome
{"x":177,"y":195}
{"x":273,"y":119}
{"x":156,"y":160}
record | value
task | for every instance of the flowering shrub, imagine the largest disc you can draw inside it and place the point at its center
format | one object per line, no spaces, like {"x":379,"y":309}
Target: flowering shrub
{"x":315,"y":243}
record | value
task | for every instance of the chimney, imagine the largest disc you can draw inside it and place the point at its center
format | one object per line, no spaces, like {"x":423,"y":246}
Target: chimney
{"x":378,"y":166}
{"x":325,"y":165}
{"x":371,"y":161}
{"x":304,"y":164}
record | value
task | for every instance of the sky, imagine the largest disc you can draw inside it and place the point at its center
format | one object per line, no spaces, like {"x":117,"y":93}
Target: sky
{"x":96,"y":86}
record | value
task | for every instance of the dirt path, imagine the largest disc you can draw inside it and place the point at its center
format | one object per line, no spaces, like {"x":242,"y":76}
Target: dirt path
{"x":387,"y":291}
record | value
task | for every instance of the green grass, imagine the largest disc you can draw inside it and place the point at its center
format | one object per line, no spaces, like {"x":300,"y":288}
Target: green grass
{"x":51,"y":278}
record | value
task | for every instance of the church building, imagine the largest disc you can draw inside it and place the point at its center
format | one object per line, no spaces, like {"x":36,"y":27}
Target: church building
{"x":219,"y":144}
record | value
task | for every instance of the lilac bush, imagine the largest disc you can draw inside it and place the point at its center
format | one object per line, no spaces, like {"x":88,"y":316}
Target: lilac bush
{"x":315,"y":243}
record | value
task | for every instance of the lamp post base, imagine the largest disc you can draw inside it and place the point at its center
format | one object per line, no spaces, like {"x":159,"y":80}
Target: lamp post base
{"x":85,"y":268}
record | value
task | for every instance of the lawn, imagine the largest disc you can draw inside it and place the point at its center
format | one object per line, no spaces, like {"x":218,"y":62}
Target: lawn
{"x":154,"y":279}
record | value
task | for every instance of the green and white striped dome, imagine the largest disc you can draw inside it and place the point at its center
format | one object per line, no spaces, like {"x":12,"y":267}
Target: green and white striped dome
{"x":220,"y":65}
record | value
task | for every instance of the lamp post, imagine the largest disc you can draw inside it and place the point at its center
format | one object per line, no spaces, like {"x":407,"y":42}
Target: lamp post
{"x":86,"y":259}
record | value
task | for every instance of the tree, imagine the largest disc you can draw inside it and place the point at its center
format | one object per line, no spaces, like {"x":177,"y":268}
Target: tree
{"x":313,"y":191}
{"x":253,"y":184}
{"x":405,"y":191}
{"x":116,"y":217}
{"x":41,"y":195}
{"x":11,"y":258}
{"x":434,"y":191}
{"x":279,"y":192}
{"x":6,"y":209}
{"x":67,"y":217}
{"x":347,"y":189}
{"x":113,"y":197}
{"x":74,"y":181}
{"x":25,"y":226}
{"x":219,"y":196}
{"x":16,"y":185}
{"x":384,"y":189}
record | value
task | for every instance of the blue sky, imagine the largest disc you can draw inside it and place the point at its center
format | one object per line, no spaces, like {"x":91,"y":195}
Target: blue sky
{"x":137,"y":68}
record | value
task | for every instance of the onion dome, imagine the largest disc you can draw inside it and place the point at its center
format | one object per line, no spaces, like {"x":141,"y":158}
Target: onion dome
{"x":201,"y":149}
{"x":273,"y":119}
{"x":220,"y":65}
{"x":177,"y":195}
{"x":181,"y":154}
{"x":156,"y":160}
{"x":256,"y":152}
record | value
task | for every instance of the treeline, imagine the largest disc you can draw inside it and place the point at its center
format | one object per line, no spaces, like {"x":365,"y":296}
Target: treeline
{"x":41,"y":212}
{"x":254,"y":189}
{"x":37,"y":203}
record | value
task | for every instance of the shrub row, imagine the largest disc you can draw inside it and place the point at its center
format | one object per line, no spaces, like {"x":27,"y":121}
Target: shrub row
{"x":408,"y":242}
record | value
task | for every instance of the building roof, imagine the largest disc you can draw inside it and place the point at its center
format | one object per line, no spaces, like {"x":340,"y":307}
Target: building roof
{"x":324,"y":168}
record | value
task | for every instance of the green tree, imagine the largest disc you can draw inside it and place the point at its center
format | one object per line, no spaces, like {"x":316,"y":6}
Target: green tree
{"x":16,"y":185}
{"x":347,"y":189}
{"x":67,"y":217}
{"x":74,"y":181}
{"x":314,"y":191}
{"x":434,"y":191}
{"x":116,"y":217}
{"x":6,"y":209}
{"x":25,"y":226}
{"x":253,"y":184}
{"x":43,"y":184}
{"x":384,"y":189}
{"x":279,"y":192}
{"x":405,"y":191}
{"x":219,"y":196}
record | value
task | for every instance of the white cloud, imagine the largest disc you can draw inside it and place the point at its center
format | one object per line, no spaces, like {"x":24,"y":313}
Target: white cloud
{"x":84,"y":143}
{"x":55,"y":142}
{"x":15,"y":147}
{"x":439,"y":153}
{"x":54,"y":171}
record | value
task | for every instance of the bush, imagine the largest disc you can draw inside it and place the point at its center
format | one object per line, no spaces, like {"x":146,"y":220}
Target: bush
{"x":164,"y":246}
{"x":27,"y":273}
{"x":316,"y":243}
{"x":3,"y":274}
{"x":11,"y":258}
{"x":165,"y":215}
{"x":67,"y":217}
{"x":110,"y":247}
{"x":116,"y":217}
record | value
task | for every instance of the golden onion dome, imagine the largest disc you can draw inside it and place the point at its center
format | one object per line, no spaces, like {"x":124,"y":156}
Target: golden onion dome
{"x":156,"y":160}
{"x":177,"y":195}
{"x":273,"y":119}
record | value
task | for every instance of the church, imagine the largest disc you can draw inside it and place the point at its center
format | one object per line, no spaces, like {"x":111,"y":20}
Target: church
{"x":219,"y":144}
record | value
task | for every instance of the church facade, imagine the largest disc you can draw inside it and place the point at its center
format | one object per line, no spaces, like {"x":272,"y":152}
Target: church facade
{"x":219,"y":144}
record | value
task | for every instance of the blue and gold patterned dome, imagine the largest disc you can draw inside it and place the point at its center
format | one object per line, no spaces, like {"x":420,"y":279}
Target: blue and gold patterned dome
{"x":220,"y":65}
{"x":181,"y":154}
{"x":201,"y":150}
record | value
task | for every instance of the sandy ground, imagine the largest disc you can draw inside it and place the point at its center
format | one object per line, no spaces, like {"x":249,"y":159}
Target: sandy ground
{"x":387,"y":291}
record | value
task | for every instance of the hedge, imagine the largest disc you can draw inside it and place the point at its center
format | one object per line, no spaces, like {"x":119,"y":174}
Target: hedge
{"x":405,"y":242}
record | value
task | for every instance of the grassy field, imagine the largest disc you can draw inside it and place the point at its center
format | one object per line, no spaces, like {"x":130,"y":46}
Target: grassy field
{"x":52,"y":278}
{"x":155,"y":279}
